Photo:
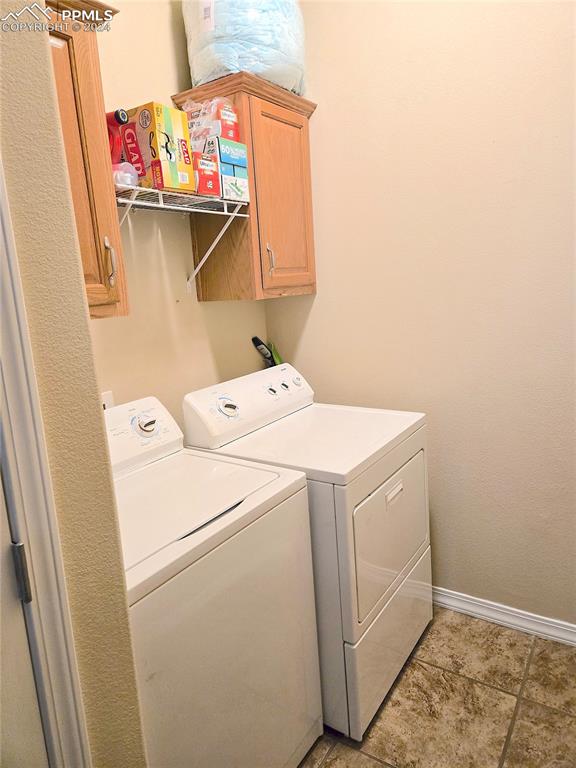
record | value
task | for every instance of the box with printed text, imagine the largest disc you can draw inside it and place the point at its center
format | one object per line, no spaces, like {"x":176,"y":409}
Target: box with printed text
{"x":157,"y":143}
{"x":233,"y":159}
{"x":206,"y":174}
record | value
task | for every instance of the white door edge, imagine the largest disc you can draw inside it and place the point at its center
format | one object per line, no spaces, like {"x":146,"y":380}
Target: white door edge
{"x":33,"y":521}
{"x":524,"y":621}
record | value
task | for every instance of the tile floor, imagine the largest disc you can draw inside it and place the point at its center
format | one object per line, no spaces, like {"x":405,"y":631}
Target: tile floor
{"x":472,"y":695}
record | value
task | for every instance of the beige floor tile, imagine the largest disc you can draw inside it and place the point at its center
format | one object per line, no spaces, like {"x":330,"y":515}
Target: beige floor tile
{"x":436,"y":719}
{"x":486,"y":652}
{"x":344,"y":757}
{"x":552,"y":676}
{"x":542,"y":738}
{"x":318,"y":752}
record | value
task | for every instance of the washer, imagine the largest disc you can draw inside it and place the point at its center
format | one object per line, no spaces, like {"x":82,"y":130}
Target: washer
{"x":221,"y":599}
{"x":367,"y":488}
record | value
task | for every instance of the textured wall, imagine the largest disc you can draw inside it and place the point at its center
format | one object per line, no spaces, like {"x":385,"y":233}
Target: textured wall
{"x":442,"y":153}
{"x":170,"y":343}
{"x":40,"y":206}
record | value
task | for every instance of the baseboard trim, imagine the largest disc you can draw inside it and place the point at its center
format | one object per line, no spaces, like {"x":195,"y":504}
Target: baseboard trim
{"x":562,"y":631}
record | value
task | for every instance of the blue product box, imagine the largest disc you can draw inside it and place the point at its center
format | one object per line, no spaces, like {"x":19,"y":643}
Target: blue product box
{"x":233,"y":159}
{"x":231,"y":152}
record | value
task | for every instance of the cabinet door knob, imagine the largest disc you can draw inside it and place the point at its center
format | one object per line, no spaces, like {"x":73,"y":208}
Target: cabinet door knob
{"x":271,"y":258}
{"x":112,"y":260}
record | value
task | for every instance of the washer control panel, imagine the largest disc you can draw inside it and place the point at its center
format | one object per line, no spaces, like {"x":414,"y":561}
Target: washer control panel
{"x":217,"y":415}
{"x":140,"y":432}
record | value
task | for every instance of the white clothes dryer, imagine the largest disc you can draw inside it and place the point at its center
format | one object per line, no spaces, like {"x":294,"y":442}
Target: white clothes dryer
{"x":368,"y":498}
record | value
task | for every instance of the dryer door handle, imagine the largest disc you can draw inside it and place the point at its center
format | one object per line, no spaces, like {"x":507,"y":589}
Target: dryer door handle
{"x":394,"y":493}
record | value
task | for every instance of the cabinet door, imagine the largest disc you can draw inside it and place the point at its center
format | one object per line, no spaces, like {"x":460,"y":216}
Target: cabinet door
{"x":284,"y":196}
{"x":79,"y":90}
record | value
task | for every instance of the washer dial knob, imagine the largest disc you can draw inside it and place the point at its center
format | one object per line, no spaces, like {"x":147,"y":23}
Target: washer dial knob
{"x":145,"y":425}
{"x":228,"y":407}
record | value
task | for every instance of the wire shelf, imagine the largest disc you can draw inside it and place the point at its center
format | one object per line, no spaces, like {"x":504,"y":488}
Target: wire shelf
{"x":159,"y":200}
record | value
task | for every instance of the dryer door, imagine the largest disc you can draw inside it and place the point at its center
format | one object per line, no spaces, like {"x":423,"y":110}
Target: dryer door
{"x":382,"y":528}
{"x":390,"y":527}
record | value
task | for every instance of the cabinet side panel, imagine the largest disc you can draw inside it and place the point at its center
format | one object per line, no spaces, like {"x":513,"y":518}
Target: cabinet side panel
{"x":60,"y":49}
{"x":100,"y":170}
{"x":227,"y":274}
{"x":328,"y":612}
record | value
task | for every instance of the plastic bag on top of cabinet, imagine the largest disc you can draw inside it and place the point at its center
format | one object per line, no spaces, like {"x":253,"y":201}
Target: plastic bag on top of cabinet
{"x":265,"y":37}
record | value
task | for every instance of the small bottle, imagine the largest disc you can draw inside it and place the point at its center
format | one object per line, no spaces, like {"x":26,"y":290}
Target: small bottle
{"x":114,"y":120}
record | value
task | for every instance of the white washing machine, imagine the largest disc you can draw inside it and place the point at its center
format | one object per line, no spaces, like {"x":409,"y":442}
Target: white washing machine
{"x":367,"y":488}
{"x":220,"y":588}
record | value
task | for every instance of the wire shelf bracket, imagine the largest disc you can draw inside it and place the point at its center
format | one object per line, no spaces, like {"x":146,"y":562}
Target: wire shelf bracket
{"x":233,"y":215}
{"x":134,"y":198}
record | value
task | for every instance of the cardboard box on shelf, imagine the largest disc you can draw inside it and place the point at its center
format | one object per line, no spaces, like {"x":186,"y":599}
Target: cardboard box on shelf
{"x":206,"y":174}
{"x":157,"y":143}
{"x":231,"y":152}
{"x":235,"y":189}
{"x":233,"y":159}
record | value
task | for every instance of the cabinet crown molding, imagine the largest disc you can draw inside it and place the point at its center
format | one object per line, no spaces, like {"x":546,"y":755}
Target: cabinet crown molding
{"x":251,"y":84}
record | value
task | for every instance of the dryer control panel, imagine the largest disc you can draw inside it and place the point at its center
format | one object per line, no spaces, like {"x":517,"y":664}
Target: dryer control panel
{"x":140,"y":432}
{"x":217,"y":415}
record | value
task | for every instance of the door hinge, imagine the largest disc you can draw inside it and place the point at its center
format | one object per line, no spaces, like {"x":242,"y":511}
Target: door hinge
{"x":21,"y":568}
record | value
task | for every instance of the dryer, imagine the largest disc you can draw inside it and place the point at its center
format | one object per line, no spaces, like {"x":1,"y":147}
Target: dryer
{"x":221,"y":602}
{"x":368,"y":499}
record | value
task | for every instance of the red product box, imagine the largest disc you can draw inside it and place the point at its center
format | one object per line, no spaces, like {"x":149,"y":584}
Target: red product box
{"x":229,"y":122}
{"x":206,"y":174}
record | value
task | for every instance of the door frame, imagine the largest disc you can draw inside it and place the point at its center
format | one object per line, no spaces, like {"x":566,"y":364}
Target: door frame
{"x":32,"y":520}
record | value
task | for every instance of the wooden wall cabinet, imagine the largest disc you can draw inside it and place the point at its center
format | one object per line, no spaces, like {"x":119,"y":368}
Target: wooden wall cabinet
{"x":272,"y":252}
{"x":79,"y":89}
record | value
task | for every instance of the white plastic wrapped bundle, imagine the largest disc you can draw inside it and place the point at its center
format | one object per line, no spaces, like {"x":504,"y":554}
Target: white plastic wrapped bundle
{"x":265,"y":37}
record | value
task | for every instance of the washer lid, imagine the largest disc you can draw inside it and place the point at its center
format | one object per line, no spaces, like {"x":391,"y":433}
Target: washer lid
{"x":330,"y":443}
{"x":173,"y":497}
